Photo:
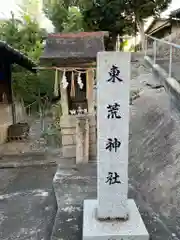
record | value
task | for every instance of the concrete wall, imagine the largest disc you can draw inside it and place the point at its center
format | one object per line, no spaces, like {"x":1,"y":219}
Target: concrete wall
{"x":6,"y":118}
{"x":175,"y":28}
{"x":68,"y":132}
{"x":5,"y":121}
{"x":20,"y":112}
{"x":154,"y":158}
{"x":154,"y":154}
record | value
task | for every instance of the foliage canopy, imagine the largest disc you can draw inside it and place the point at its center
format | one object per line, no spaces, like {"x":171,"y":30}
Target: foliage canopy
{"x":26,"y":36}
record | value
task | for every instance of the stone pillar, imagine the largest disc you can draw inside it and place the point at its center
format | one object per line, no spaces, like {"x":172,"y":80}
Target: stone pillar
{"x":79,"y":140}
{"x":113,"y":134}
{"x":82,"y":139}
{"x":89,"y":89}
{"x":112,"y":216}
{"x":86,"y":141}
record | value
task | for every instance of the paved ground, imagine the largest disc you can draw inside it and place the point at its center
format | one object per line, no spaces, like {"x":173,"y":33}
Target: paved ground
{"x":27,"y":203}
{"x":153,"y":170}
{"x":73,"y":186}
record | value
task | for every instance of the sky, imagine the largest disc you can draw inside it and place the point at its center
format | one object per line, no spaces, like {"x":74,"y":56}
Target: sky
{"x":7,"y":7}
{"x":11,"y":5}
{"x":174,"y":5}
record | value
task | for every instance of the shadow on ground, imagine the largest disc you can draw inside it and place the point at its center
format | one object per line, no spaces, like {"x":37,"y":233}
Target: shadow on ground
{"x":27,"y":203}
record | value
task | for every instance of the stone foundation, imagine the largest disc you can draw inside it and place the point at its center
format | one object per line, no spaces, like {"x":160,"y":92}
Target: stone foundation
{"x":68,"y":131}
{"x":94,"y":229}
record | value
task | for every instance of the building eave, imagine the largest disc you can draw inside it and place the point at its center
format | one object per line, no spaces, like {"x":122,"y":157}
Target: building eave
{"x":168,"y":24}
{"x":165,"y":20}
{"x":13,"y":56}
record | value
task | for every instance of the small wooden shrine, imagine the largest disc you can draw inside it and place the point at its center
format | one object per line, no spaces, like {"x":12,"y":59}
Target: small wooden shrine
{"x":11,"y":111}
{"x":73,"y":55}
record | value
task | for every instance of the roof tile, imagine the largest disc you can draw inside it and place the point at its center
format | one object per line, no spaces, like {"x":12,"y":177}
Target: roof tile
{"x":71,"y":46}
{"x":77,"y":35}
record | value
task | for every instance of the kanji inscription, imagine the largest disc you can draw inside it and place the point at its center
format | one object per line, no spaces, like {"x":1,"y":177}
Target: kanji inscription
{"x":113,"y":111}
{"x":114,"y":74}
{"x":113,"y":144}
{"x":113,"y":178}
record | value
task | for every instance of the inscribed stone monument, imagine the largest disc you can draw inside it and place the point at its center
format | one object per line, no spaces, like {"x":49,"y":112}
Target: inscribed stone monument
{"x":112,"y":216}
{"x":113,"y":127}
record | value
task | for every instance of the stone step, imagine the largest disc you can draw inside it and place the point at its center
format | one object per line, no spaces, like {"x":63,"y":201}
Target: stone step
{"x":17,"y":164}
{"x":26,"y":159}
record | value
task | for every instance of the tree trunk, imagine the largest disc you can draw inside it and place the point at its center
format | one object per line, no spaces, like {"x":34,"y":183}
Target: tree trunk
{"x":140,"y":26}
{"x":110,"y":42}
{"x":113,"y":41}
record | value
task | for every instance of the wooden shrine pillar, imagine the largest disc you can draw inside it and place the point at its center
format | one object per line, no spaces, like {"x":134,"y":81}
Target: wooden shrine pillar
{"x":89,"y":90}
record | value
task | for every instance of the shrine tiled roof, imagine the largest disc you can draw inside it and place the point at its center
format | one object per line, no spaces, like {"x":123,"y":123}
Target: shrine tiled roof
{"x":82,"y":46}
{"x":12,"y":56}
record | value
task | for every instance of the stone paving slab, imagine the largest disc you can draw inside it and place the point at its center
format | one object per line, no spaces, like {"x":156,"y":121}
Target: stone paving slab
{"x":30,"y":159}
{"x":27,"y":203}
{"x":70,"y":196}
{"x":21,"y":161}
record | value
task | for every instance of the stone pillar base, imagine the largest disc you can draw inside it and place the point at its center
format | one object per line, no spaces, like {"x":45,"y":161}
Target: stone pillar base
{"x":69,"y":137}
{"x":94,"y":229}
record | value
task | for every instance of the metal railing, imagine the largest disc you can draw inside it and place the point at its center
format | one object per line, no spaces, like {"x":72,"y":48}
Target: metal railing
{"x":154,"y":48}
